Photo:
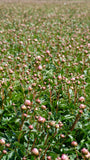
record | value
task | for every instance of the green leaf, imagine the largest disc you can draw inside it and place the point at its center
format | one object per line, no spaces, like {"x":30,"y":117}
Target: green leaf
{"x":1,"y":111}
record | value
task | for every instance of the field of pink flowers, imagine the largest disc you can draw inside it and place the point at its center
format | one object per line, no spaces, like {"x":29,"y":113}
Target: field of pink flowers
{"x":44,"y":80}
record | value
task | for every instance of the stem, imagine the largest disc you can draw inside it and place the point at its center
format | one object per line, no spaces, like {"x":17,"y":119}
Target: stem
{"x":22,"y":124}
{"x":55,"y":133}
{"x":63,"y":140}
{"x":46,"y":139}
{"x":57,"y":104}
{"x":43,"y":158}
{"x":48,"y":145}
{"x":76,"y":153}
{"x":2,"y":95}
{"x":34,"y":94}
{"x":76,"y":120}
{"x":83,"y":64}
{"x":75,"y":95}
{"x":68,"y":94}
{"x":21,"y":129}
{"x":50,"y":94}
{"x":19,"y":137}
{"x":28,"y":140}
{"x":33,"y":143}
{"x":1,"y":156}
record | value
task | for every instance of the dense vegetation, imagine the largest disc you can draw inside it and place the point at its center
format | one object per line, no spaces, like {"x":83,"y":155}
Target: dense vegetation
{"x":44,"y":80}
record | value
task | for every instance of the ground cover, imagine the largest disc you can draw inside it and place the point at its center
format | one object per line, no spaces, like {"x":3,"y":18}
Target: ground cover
{"x":44,"y":80}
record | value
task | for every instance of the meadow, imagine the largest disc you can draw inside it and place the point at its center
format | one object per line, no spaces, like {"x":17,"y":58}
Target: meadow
{"x":44,"y":80}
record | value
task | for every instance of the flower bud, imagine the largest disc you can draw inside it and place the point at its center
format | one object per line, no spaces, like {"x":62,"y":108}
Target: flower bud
{"x":43,"y":88}
{"x":73,"y":143}
{"x":49,"y":113}
{"x":48,"y":126}
{"x":57,"y":126}
{"x":30,"y":127}
{"x":64,"y":157}
{"x":38,"y":100}
{"x":58,"y":158}
{"x":87,"y":156}
{"x":7,"y":145}
{"x":82,"y":106}
{"x":24,"y":158}
{"x":84,"y":151}
{"x":27,"y":103}
{"x":52,"y":123}
{"x":60,"y":124}
{"x":39,"y":67}
{"x":30,"y":88}
{"x":34,"y":84}
{"x":43,"y":107}
{"x":48,"y":157}
{"x":59,"y":77}
{"x":40,"y":150}
{"x":35,"y":151}
{"x":81,"y":99}
{"x":24,"y":115}
{"x":2,"y":141}
{"x":23,"y":107}
{"x":41,"y":119}
{"x":38,"y":58}
{"x":80,"y":111}
{"x":62,"y":136}
{"x":4,"y":152}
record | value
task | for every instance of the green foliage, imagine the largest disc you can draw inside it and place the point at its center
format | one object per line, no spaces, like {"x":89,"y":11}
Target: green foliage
{"x":44,"y":70}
